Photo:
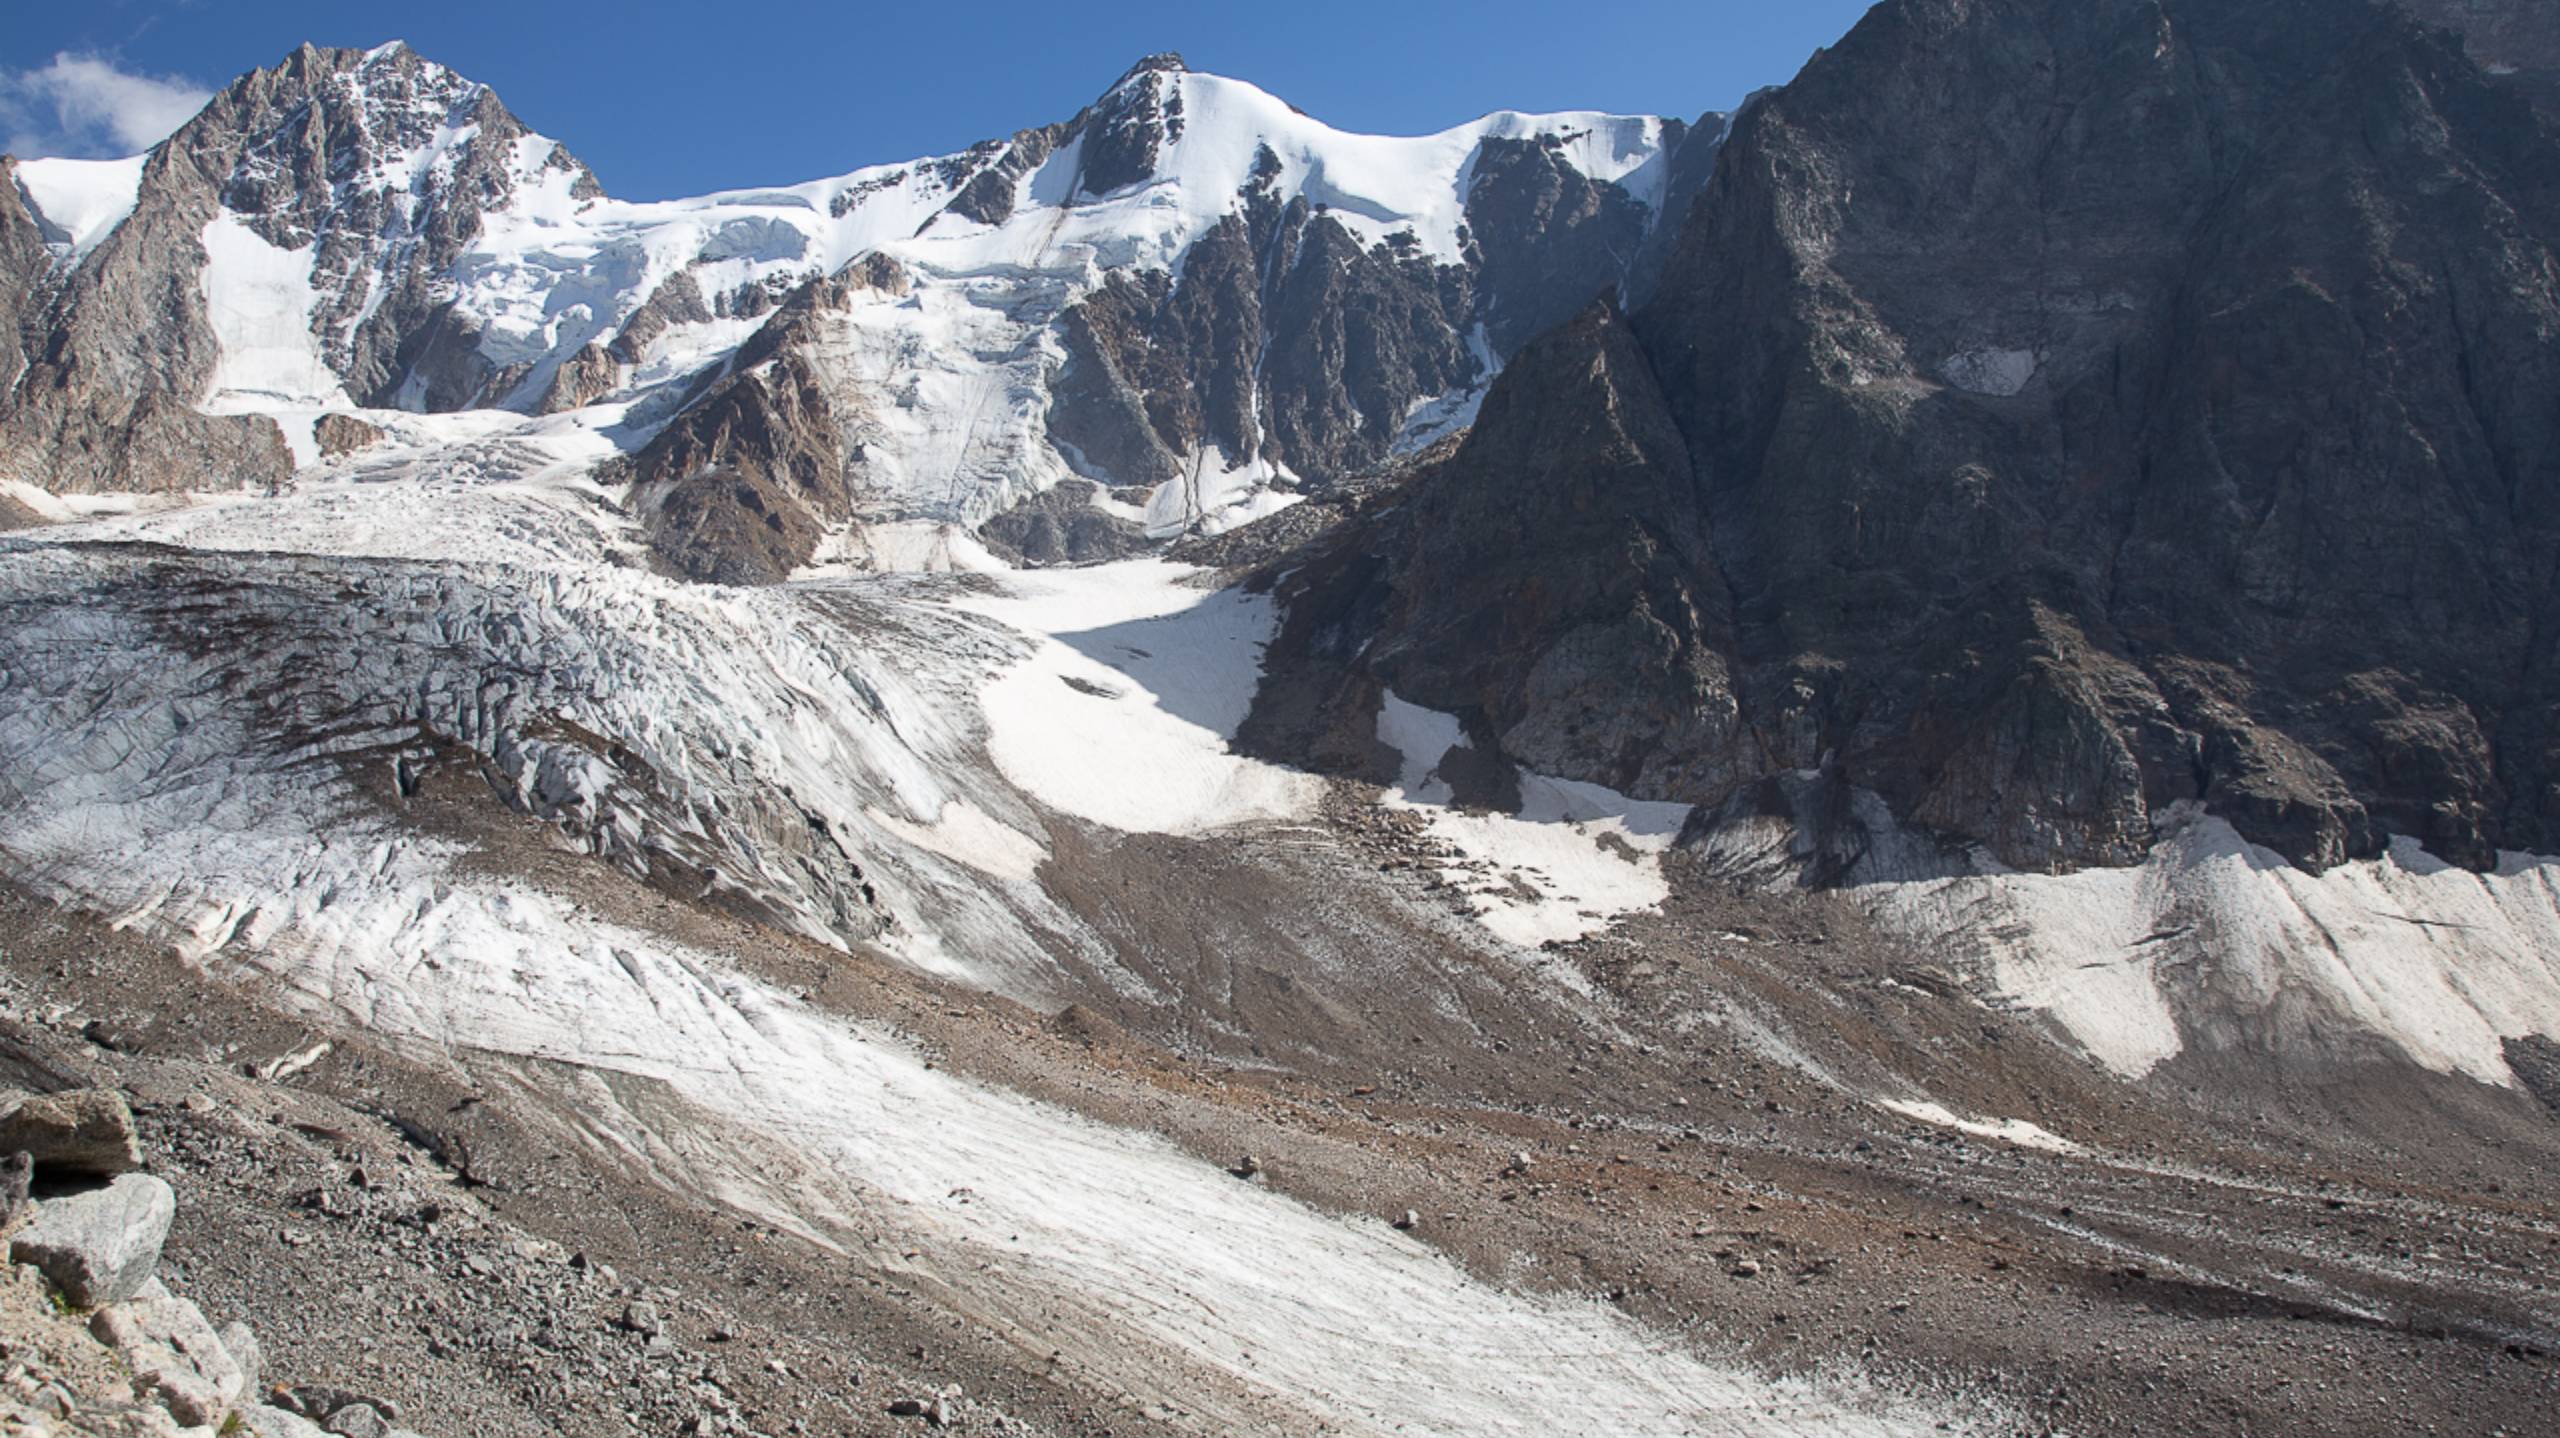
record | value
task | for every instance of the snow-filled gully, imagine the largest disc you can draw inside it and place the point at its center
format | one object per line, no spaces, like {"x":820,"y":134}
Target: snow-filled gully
{"x":124,"y":790}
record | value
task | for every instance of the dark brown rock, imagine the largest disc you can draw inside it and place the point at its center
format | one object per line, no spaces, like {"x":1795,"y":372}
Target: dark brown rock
{"x":17,"y":1176}
{"x":344,"y":434}
{"x":2085,"y":407}
{"x":742,"y":485}
{"x":583,"y":378}
{"x":87,"y":1131}
{"x":1061,"y":526}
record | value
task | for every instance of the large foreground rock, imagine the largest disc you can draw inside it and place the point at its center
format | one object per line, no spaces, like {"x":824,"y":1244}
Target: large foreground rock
{"x":174,"y":1355}
{"x":102,"y":1246}
{"x":82,"y":1131}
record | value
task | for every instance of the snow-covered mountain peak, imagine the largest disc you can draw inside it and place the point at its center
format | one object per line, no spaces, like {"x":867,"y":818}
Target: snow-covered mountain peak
{"x":352,"y":183}
{"x":1160,"y":286}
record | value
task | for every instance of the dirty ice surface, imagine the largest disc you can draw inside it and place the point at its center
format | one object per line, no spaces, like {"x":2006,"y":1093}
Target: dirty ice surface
{"x":1573,"y":858}
{"x":1153,"y":1270}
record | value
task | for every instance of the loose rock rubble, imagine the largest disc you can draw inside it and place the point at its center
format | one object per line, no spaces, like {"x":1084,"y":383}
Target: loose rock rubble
{"x":94,"y":1341}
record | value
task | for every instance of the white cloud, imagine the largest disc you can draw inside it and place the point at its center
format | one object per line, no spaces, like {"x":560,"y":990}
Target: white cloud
{"x":83,"y":105}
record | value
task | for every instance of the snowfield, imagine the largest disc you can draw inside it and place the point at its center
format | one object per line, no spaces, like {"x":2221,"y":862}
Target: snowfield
{"x":1122,"y":713}
{"x":80,"y":202}
{"x":2213,"y":943}
{"x":1572,"y":858}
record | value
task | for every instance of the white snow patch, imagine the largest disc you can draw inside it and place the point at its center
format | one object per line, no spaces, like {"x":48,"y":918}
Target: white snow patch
{"x":1214,"y":495}
{"x":1574,"y":858}
{"x":74,"y":508}
{"x":2212,"y":939}
{"x":1122,"y":714}
{"x":259,"y":300}
{"x":2007,"y":1130}
{"x":966,"y":833}
{"x":80,"y":202}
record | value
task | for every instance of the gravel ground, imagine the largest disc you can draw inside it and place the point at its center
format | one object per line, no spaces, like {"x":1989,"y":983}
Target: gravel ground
{"x":1662,"y":1117}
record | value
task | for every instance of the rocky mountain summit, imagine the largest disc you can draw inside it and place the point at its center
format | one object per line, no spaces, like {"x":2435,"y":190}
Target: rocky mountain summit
{"x":362,"y":174}
{"x":1188,"y":291}
{"x":2053,"y":413}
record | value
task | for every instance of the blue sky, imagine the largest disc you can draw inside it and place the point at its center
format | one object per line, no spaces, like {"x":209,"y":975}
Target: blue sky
{"x":666,"y":99}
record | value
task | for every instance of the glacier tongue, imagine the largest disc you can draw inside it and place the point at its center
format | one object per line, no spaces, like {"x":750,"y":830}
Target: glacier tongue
{"x":210,"y":753}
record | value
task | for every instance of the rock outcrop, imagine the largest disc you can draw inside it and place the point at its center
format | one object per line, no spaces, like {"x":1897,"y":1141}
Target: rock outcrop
{"x":2052,"y":412}
{"x":2517,"y":38}
{"x":352,"y":151}
{"x":86,"y":1288}
{"x":1062,"y":525}
{"x":742,"y":485}
{"x":101,"y":1245}
{"x":82,"y":1131}
{"x":1289,"y":339}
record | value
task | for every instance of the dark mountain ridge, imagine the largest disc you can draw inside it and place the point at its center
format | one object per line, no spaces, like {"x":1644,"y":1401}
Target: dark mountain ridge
{"x":2053,"y":413}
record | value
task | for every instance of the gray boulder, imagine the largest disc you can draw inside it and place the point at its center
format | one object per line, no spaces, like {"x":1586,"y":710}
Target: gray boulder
{"x":243,"y":1347}
{"x":100,"y":1247}
{"x":174,"y":1355}
{"x":17,"y":1171}
{"x":260,"y":1421}
{"x":356,"y":1420}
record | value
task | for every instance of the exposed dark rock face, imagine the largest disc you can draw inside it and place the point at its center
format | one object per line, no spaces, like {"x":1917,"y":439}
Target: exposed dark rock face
{"x":1356,"y":336}
{"x":1550,"y":238}
{"x":1286,"y":339}
{"x":2079,"y":407}
{"x":743,"y":484}
{"x":118,"y":352}
{"x":122,"y":349}
{"x":1126,"y":131}
{"x":2508,"y":37}
{"x":1061,"y":526}
{"x":1154,"y":371}
{"x":583,"y":378}
{"x":343,"y":434}
{"x":678,"y":301}
{"x":1687,"y":167}
{"x":1290,"y":339}
{"x":1562,"y":598}
{"x":24,"y":266}
{"x":996,"y":169}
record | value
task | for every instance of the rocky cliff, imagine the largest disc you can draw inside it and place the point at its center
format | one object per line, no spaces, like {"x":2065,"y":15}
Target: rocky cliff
{"x":2053,"y":412}
{"x":293,"y":245}
{"x":2510,"y":38}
